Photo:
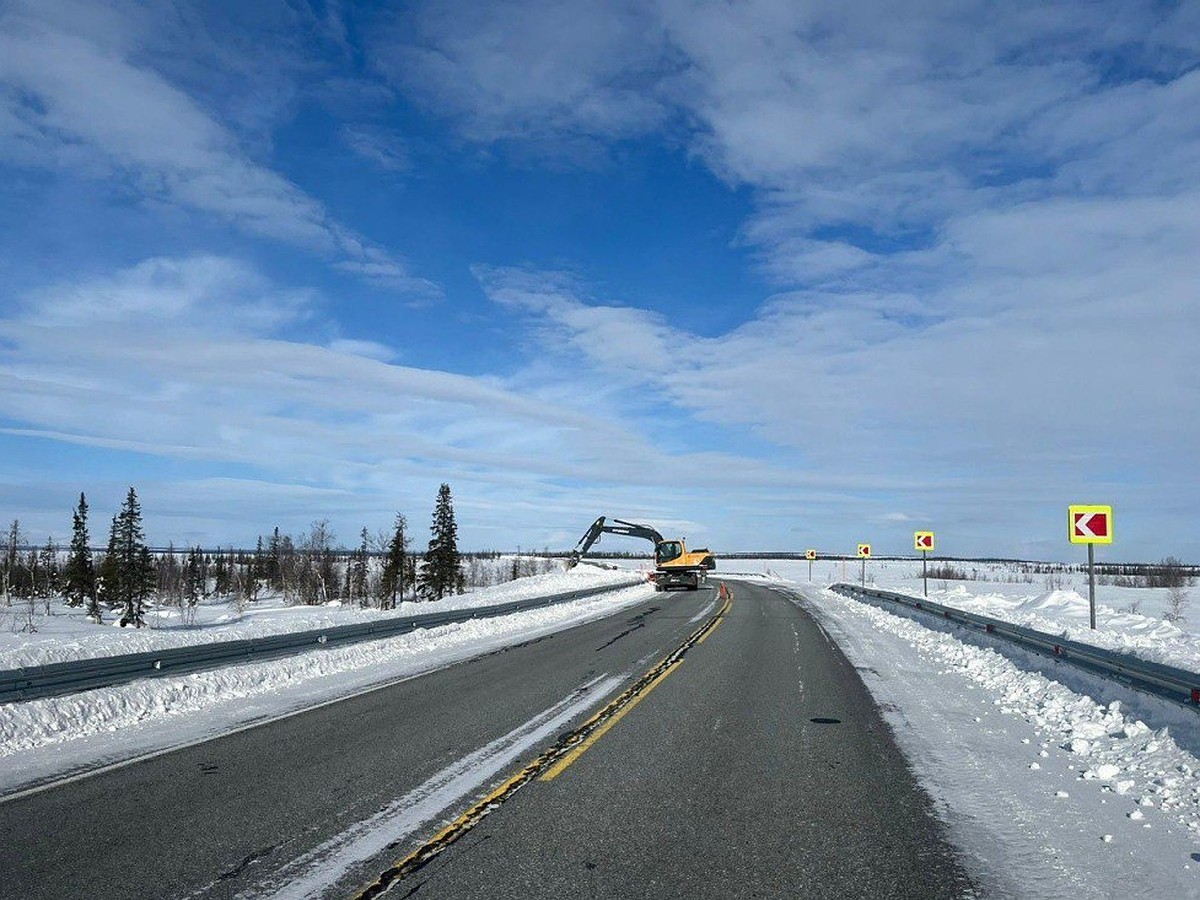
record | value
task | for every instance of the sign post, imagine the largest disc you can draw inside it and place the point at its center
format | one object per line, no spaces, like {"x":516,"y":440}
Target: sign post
{"x":923,"y":540}
{"x":810,"y":555}
{"x":864,"y":553}
{"x":1090,"y":525}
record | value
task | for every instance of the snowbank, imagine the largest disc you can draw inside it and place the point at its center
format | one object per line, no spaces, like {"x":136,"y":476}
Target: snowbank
{"x":67,"y":635}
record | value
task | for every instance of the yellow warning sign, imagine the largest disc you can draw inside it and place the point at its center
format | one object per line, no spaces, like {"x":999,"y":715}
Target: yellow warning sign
{"x":1090,"y":524}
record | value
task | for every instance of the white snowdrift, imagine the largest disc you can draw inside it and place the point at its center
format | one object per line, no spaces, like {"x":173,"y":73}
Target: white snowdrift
{"x":67,"y":635}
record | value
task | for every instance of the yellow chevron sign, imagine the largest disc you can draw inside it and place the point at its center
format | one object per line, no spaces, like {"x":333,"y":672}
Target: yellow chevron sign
{"x":1090,"y":524}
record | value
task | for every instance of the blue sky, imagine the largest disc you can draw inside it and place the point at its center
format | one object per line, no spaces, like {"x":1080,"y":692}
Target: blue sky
{"x":771,"y":275}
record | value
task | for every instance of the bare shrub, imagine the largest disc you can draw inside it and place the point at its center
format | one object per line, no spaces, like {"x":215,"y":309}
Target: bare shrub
{"x":947,"y":572}
{"x":1177,"y":601}
{"x":1168,"y":573}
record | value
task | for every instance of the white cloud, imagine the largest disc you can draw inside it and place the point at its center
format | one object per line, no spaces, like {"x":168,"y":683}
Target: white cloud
{"x":383,"y":148}
{"x":982,"y":225}
{"x":70,"y":101}
{"x":185,"y":359}
{"x":838,"y":117}
{"x":560,"y":71}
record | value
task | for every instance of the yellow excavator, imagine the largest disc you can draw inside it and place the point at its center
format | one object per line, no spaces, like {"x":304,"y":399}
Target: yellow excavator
{"x":675,"y":565}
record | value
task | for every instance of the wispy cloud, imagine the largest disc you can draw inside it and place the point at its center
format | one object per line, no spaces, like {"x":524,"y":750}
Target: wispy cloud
{"x":977,"y":229}
{"x":187,"y":359}
{"x":379,"y":146}
{"x":981,"y":229}
{"x":566,"y":76}
{"x":74,"y":101}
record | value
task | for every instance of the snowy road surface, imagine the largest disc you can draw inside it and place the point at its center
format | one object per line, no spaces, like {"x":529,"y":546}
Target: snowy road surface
{"x":759,"y":767}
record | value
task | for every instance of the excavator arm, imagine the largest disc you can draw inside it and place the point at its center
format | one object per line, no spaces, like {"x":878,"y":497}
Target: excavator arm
{"x":600,"y":526}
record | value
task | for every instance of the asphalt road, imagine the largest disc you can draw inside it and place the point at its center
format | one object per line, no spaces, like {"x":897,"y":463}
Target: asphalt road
{"x":757,"y":767}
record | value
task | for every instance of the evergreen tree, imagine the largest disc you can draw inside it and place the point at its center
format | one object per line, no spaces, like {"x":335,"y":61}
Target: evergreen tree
{"x":51,"y":575}
{"x":81,"y":573}
{"x":10,"y":567}
{"x":274,"y":570}
{"x":169,"y":572}
{"x":192,"y":584}
{"x":135,"y":576}
{"x":441,"y":572}
{"x":394,"y":566}
{"x":358,"y":574}
{"x":193,"y":577}
{"x":222,"y":576}
{"x":259,"y":566}
{"x":108,"y":578}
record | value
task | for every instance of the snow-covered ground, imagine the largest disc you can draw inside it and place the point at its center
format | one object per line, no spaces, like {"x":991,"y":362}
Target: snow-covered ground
{"x":1129,"y":620}
{"x":44,"y":739}
{"x":66,"y":634}
{"x":1053,"y":782}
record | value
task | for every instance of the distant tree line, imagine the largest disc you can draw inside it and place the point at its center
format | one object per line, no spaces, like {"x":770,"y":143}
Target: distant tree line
{"x":312,"y":568}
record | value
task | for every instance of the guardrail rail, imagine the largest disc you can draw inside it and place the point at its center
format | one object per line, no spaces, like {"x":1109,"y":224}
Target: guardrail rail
{"x":1174,"y":683}
{"x":53,"y":679}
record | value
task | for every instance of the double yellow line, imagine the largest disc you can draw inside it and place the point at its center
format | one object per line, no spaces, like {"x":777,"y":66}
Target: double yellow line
{"x":550,"y":764}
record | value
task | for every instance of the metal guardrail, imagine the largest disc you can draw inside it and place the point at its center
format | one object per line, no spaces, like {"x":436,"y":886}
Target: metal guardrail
{"x":35,"y":682}
{"x":1176,"y":684}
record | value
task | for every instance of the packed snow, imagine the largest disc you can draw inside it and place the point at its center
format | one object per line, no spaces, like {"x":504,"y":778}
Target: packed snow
{"x":66,"y":634}
{"x":1128,"y":620}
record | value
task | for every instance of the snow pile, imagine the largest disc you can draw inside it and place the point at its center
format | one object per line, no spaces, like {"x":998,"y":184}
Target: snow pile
{"x":1128,"y":620}
{"x":67,"y":635}
{"x":1059,"y":604}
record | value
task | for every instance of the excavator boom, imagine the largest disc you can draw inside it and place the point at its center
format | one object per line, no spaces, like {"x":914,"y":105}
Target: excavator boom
{"x":600,"y":526}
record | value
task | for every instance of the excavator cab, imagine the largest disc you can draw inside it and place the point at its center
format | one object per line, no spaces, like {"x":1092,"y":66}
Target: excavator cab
{"x":666,"y":551}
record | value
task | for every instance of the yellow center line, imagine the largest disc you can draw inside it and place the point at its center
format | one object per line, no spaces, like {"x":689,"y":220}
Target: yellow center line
{"x":548,"y":765}
{"x":559,"y":767}
{"x":716,"y":624}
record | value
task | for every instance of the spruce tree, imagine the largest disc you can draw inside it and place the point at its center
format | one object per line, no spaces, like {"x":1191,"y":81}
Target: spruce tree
{"x":51,"y":580}
{"x":259,"y":568}
{"x":359,"y":574}
{"x":193,"y":577}
{"x":222,"y":576}
{"x":81,"y":573}
{"x":10,"y":567}
{"x":394,"y":568}
{"x":135,"y":577}
{"x":108,"y":581}
{"x":441,"y":573}
{"x":274,"y":571}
